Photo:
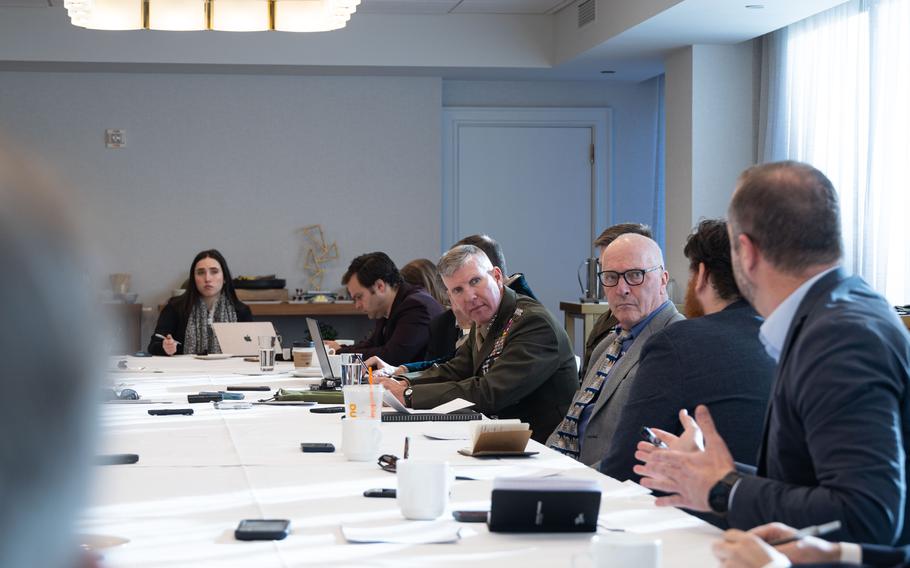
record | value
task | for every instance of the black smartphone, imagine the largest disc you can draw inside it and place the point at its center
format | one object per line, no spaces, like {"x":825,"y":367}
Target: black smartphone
{"x":203,"y":397}
{"x":262,"y":529}
{"x":470,"y":516}
{"x":327,"y":409}
{"x":170,"y":411}
{"x":116,"y":459}
{"x":389,"y":493}
{"x":651,"y":437}
{"x":317,"y":447}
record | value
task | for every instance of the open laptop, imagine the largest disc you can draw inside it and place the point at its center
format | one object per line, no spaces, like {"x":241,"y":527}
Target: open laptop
{"x":321,"y":354}
{"x":241,"y":339}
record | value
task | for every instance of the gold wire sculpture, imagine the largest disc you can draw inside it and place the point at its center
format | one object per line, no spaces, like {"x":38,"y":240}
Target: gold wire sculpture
{"x":317,"y":255}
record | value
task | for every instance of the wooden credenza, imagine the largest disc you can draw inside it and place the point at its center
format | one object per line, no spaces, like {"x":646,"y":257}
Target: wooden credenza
{"x":303,"y":309}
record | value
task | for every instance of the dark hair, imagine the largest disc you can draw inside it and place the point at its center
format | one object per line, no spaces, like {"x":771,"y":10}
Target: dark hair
{"x":789,"y":211}
{"x":371,"y":267}
{"x":489,"y":246}
{"x":191,"y":297}
{"x":610,"y":233}
{"x":422,"y":272}
{"x":710,"y":244}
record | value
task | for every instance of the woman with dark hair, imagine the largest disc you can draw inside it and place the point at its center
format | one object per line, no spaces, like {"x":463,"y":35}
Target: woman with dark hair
{"x":186,"y":321}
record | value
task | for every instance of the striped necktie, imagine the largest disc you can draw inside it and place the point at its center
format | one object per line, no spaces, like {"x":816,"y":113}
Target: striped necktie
{"x":566,"y":438}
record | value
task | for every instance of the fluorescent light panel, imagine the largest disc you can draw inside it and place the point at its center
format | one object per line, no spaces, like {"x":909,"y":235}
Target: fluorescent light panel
{"x":222,"y":15}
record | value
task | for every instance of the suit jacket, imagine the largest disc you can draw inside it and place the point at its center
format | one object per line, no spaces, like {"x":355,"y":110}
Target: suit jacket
{"x":837,"y":429}
{"x":608,"y":407}
{"x":444,"y":333}
{"x":877,"y":556}
{"x":885,"y":556}
{"x":716,"y":360}
{"x":403,"y":336}
{"x":531,"y":372}
{"x":602,"y":328}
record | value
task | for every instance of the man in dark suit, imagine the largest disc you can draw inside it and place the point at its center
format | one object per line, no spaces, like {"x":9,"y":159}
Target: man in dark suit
{"x":403,"y":312}
{"x":516,"y":362}
{"x":635,"y":283}
{"x":714,"y":359}
{"x":837,"y":429}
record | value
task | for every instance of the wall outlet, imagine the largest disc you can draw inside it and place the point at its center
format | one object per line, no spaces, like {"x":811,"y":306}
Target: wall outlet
{"x":114,"y":138}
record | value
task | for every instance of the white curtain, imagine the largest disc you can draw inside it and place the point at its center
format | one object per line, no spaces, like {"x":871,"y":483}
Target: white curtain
{"x":836,"y":94}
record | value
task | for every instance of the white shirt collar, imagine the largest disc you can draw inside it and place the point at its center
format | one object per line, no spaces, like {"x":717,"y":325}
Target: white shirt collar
{"x":773,"y":332}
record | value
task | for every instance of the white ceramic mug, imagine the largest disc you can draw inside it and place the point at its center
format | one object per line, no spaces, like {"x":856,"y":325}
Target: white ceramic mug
{"x":360,"y":439}
{"x":424,"y":488}
{"x":622,"y":550}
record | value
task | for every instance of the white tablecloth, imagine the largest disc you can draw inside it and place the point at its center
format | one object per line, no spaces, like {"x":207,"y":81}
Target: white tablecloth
{"x":199,"y":475}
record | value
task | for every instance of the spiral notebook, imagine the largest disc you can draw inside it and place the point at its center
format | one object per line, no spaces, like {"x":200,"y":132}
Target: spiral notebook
{"x":456,"y":410}
{"x":456,"y":416}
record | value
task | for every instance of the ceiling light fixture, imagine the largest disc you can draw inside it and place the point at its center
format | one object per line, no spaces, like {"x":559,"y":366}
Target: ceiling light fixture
{"x":220,"y":15}
{"x":755,"y":6}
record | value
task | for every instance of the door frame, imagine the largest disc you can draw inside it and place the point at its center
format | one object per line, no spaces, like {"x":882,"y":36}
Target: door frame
{"x":599,"y":120}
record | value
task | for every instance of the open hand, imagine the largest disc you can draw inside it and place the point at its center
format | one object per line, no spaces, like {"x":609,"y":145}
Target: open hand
{"x":686,"y":473}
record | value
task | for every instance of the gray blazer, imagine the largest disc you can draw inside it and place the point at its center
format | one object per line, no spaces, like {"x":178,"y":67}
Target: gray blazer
{"x":608,"y":407}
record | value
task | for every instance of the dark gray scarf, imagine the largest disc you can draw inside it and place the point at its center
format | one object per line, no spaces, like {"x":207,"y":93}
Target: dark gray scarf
{"x":200,"y":337}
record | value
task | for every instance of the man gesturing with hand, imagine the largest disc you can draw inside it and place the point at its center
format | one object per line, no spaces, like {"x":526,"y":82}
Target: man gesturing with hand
{"x":837,"y":429}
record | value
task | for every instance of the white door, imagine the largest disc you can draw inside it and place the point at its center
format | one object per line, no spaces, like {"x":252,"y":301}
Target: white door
{"x":526,"y":178}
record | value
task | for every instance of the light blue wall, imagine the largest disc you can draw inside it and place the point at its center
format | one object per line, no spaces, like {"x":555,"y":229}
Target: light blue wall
{"x":237,"y":162}
{"x":242,"y":162}
{"x":634,"y":129}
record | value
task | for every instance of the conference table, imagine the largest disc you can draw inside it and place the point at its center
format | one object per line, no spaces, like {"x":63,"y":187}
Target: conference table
{"x":198,"y":476}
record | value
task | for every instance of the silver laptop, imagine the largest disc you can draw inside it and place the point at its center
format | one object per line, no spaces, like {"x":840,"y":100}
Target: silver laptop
{"x":241,"y":339}
{"x":321,"y":353}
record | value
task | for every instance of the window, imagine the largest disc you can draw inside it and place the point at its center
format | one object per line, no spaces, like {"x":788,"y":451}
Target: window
{"x":838,"y":97}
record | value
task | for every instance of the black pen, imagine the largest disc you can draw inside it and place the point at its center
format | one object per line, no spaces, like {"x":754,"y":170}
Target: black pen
{"x":814,"y":530}
{"x":407,"y":442}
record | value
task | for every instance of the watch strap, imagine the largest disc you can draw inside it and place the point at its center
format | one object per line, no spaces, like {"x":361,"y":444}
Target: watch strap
{"x":407,"y":396}
{"x":719,"y":495}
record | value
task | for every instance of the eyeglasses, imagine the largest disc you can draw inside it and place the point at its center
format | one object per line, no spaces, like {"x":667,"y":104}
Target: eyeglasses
{"x":634,"y":277}
{"x":388,"y":463}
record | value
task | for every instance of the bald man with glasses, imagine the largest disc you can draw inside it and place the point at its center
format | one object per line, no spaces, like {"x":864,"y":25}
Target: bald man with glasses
{"x":635,"y":284}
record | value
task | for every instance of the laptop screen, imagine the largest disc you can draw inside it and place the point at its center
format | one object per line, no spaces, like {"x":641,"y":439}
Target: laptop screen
{"x":321,"y":353}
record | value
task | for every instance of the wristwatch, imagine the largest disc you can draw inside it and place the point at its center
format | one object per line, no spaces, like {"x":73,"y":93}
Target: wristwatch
{"x":407,"y":396}
{"x":719,"y":496}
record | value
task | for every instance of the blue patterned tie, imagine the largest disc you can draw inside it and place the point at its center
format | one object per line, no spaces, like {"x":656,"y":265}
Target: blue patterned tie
{"x":565,"y":439}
